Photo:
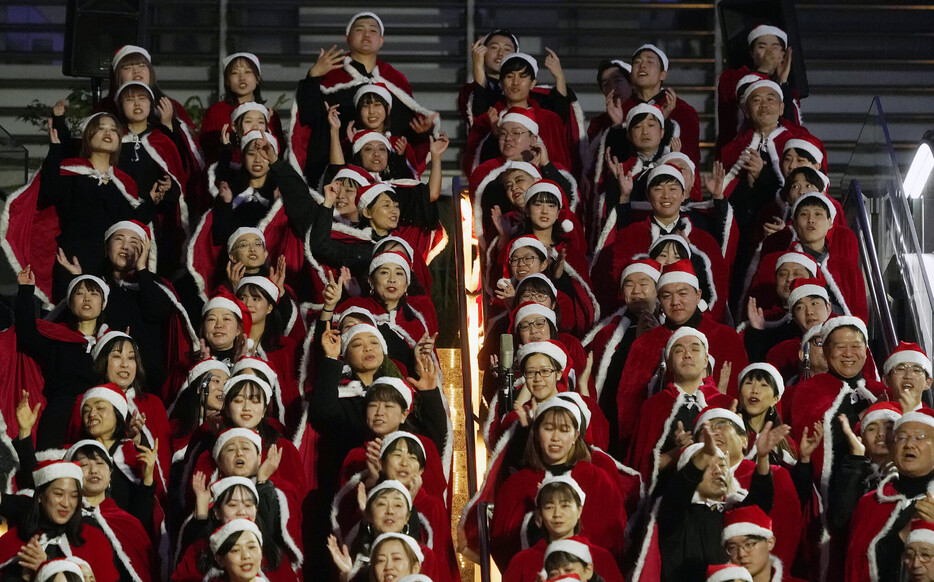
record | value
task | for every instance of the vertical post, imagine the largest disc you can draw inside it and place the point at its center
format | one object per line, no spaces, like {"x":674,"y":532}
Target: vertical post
{"x":471,"y":7}
{"x":717,"y":60}
{"x":221,"y":43}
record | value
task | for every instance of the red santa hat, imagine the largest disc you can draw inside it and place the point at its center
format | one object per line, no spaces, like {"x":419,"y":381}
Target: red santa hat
{"x":258,"y":365}
{"x":134,"y":226}
{"x":744,"y":521}
{"x":48,"y":471}
{"x":139,"y":84}
{"x":578,"y":400}
{"x":810,"y":334}
{"x":52,"y":568}
{"x":226,"y":300}
{"x":256,"y":134}
{"x":622,"y":65}
{"x":367,"y":194}
{"x":574,"y":546}
{"x":879,"y":411}
{"x":415,"y":578}
{"x":924,"y":416}
{"x":355,"y":330}
{"x":539,"y":277}
{"x":393,"y":485}
{"x":688,"y":452}
{"x":112,"y":394}
{"x":210,"y":364}
{"x":527,"y":58}
{"x":565,"y":478}
{"x":105,"y":288}
{"x":769,"y":369}
{"x":564,"y":404}
{"x":666,"y":170}
{"x":235,"y":381}
{"x":715,"y":412}
{"x":528,"y":241}
{"x":806,"y":143}
{"x":746,"y":80}
{"x":798,"y":258}
{"x":248,"y":106}
{"x":645,"y":108}
{"x":73,"y":449}
{"x":760,"y":84}
{"x":842,"y":320}
{"x":520,"y":115}
{"x":264,"y":283}
{"x":727,"y":573}
{"x":248,"y":56}
{"x":907,"y":353}
{"x":831,"y":210}
{"x":528,"y":168}
{"x":394,"y":436}
{"x":651,"y":47}
{"x":234,"y":526}
{"x":375,"y":88}
{"x":676,"y":239}
{"x":358,"y":16}
{"x":685,"y":331}
{"x":392,"y":258}
{"x":531,"y":308}
{"x":357,"y":312}
{"x":681,"y":271}
{"x":240,"y":233}
{"x":105,"y":338}
{"x":232,"y":433}
{"x":549,"y":186}
{"x":218,"y":487}
{"x":565,"y":578}
{"x":356,"y":174}
{"x":921,"y":532}
{"x":765,"y":29}
{"x":648,"y":267}
{"x":409,"y":252}
{"x":810,"y":287}
{"x":126,"y":50}
{"x":552,"y":348}
{"x":399,"y":385}
{"x":408,"y":540}
{"x":361,"y":138}
{"x":680,"y":157}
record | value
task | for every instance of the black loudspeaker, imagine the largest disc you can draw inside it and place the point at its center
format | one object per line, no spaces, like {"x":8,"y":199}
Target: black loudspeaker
{"x":738,"y":17}
{"x":95,"y":29}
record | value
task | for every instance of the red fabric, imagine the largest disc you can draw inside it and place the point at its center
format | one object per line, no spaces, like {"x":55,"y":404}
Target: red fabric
{"x":96,"y":551}
{"x":283,"y":363}
{"x":212,"y":125}
{"x":288,"y":477}
{"x":869,"y":520}
{"x":187,"y":568}
{"x":409,"y":329}
{"x":281,"y":241}
{"x":433,"y":482}
{"x":627,"y":479}
{"x":644,"y":357}
{"x":132,"y":537}
{"x":175,"y":227}
{"x":18,"y":372}
{"x":730,"y":116}
{"x":787,"y":519}
{"x":525,"y":566}
{"x":688,"y":128}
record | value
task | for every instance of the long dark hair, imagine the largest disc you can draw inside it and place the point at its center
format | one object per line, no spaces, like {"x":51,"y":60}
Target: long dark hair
{"x":557,"y":231}
{"x":153,"y":120}
{"x":93,"y":124}
{"x":267,"y":432}
{"x":35,"y":521}
{"x":367,"y":99}
{"x":71,"y":320}
{"x":116,"y":345}
{"x":274,"y":328}
{"x":271,"y":551}
{"x":229,"y":96}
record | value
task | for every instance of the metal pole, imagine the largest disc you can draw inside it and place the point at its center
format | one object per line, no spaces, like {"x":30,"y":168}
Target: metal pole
{"x":717,"y":58}
{"x":221,"y":43}
{"x":470,"y":7}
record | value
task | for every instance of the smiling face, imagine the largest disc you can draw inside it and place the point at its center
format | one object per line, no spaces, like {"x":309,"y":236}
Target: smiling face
{"x":542,"y":214}
{"x":389,"y":283}
{"x":122,"y":249}
{"x":59,"y":501}
{"x":402,"y":464}
{"x":646,"y":135}
{"x":96,"y":474}
{"x":525,"y":261}
{"x":365,"y":37}
{"x":908,"y":381}
{"x":639,"y":292}
{"x":756,"y":396}
{"x":240,"y":504}
{"x":515,"y":138}
{"x":687,"y":359}
{"x":238,"y":458}
{"x":728,"y":439}
{"x":383,"y":213}
{"x":534,"y":328}
{"x":372,"y":112}
{"x":810,"y":311}
{"x":244,"y":559}
{"x":812,"y":223}
{"x":384,"y":417}
{"x":221,"y":328}
{"x":215,"y":400}
{"x":497,"y":47}
{"x":541,"y":376}
{"x":121,"y":365}
{"x":251,"y":121}
{"x":845,"y":351}
{"x":136,"y":104}
{"x":679,"y":301}
{"x":764,"y":107}
{"x":666,"y":199}
{"x":879,"y":437}
{"x":241,"y":79}
{"x":86,"y":302}
{"x":389,"y":512}
{"x":247,"y":407}
{"x":364,"y":353}
{"x":250,"y":251}
{"x":785,"y":275}
{"x":792,"y":160}
{"x":914,"y":449}
{"x":257,"y":303}
{"x":556,"y":435}
{"x":516,"y":182}
{"x":99,"y":418}
{"x":374,"y":156}
{"x":392,"y":562}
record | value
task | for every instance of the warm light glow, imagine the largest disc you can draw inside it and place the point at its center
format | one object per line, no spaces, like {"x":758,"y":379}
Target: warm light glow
{"x":919,"y":171}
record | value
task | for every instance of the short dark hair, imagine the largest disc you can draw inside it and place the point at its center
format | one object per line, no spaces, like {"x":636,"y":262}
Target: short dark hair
{"x":517,"y":64}
{"x":557,"y":560}
{"x":414,"y":449}
{"x":229,"y":97}
{"x":813,"y":202}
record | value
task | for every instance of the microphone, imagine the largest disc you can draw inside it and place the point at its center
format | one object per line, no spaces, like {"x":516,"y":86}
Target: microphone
{"x":506,"y":375}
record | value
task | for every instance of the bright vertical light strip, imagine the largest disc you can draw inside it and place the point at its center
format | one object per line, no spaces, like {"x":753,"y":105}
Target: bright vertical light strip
{"x":919,"y":171}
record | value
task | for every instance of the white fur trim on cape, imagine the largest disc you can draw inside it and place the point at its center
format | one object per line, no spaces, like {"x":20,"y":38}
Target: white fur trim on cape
{"x":657,"y":449}
{"x":609,"y":350}
{"x":284,"y":516}
{"x":827,"y":420}
{"x":95,"y":513}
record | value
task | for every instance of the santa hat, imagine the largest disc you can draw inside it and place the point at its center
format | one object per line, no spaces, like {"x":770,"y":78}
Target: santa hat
{"x":802,"y":143}
{"x":264,"y":283}
{"x":204,"y":366}
{"x":677,"y":239}
{"x":554,"y":349}
{"x":749,"y":520}
{"x":135,"y":226}
{"x":248,"y":56}
{"x":769,"y":369}
{"x":367,"y":194}
{"x":645,"y":108}
{"x":622,"y":65}
{"x":358,"y":312}
{"x":798,"y":258}
{"x":394,"y":436}
{"x":764,"y":29}
{"x":400,"y":386}
{"x":578,"y":400}
{"x":234,"y":526}
{"x":685,"y":331}
{"x":409,"y":252}
{"x":841,"y":320}
{"x":408,"y":540}
{"x":73,"y":449}
{"x":565,"y":578}
{"x":531,"y":308}
{"x":648,"y":267}
{"x":522,"y":116}
{"x":108,"y":336}
{"x":530,"y":241}
{"x":528,"y":168}
{"x":241,"y":232}
{"x":232,"y":433}
{"x":235,"y":381}
{"x":879,"y":411}
{"x":681,"y":157}
{"x":527,"y":58}
{"x":548,"y":186}
{"x":361,"y":138}
{"x":921,"y":532}
{"x":218,"y":487}
{"x":666,"y":170}
{"x":538,"y":277}
{"x":831,"y":210}
{"x":392,"y":258}
{"x":358,"y":16}
{"x":715,"y":412}
{"x":139,"y":84}
{"x":810,"y":334}
{"x":105,"y":288}
{"x":564,"y":404}
{"x":226,"y":300}
{"x":727,"y":573}
{"x":375,"y":88}
{"x":573,"y":546}
{"x":51,"y":568}
{"x":567,"y":480}
{"x":755,"y":86}
{"x":257,"y":364}
{"x":356,"y":174}
{"x":48,"y":471}
{"x":248,"y":106}
{"x":924,"y":416}
{"x":112,"y":394}
{"x":810,"y":287}
{"x":681,"y":271}
{"x":126,"y":50}
{"x":907,"y":353}
{"x":256,"y":134}
{"x":651,"y":47}
{"x":502,"y":32}
{"x":355,"y":330}
{"x":415,"y":578}
{"x":393,"y":485}
{"x":746,"y":80}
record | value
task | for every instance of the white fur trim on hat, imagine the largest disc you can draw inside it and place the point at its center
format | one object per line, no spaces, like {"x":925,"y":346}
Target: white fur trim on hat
{"x":232,"y":433}
{"x":641,"y":268}
{"x":532,"y":276}
{"x":248,"y":56}
{"x":140,"y":84}
{"x":810,"y":334}
{"x":678,"y":277}
{"x":878,"y":414}
{"x":745,"y":529}
{"x":536,"y":309}
{"x":409,"y":251}
{"x":555,"y":402}
{"x":254,"y":363}
{"x":243,"y":230}
{"x":685,"y":331}
{"x":688,"y":453}
{"x":907,"y":357}
{"x":233,"y":381}
{"x":205,"y":366}
{"x":373,"y":88}
{"x":105,"y":288}
{"x":256,"y":134}
{"x":231,"y":527}
{"x":528,"y":241}
{"x":359,"y":313}
{"x":368,"y":137}
{"x":922,"y":535}
{"x":713,"y":413}
{"x":577,"y":399}
{"x":680,"y":156}
{"x":767,"y":83}
{"x":394,"y":485}
{"x":126,"y":225}
{"x":221,"y":485}
{"x":264,"y":283}
{"x":567,"y":480}
{"x":406,"y":539}
{"x":394,"y":436}
{"x":391,"y":258}
{"x":803,"y":144}
{"x":73,"y":449}
{"x":358,"y":16}
{"x":526,"y":167}
{"x":672,"y":238}
{"x":745,"y":81}
{"x":415,"y":578}
{"x":622,"y":65}
{"x":221,"y":303}
{"x":248,"y":106}
{"x":60,"y":565}
{"x":731,"y":573}
{"x":831,"y":210}
{"x":545,"y":347}
{"x":834,"y":322}
{"x":357,"y":329}
{"x":57,"y":470}
{"x":666,"y":170}
{"x":764,"y":29}
{"x":768,"y":369}
{"x":109,"y":336}
{"x":371,"y":194}
{"x":111,"y":396}
{"x":648,"y":109}
{"x":400,"y":385}
{"x":355,"y":176}
{"x":798,"y":259}
{"x":543,"y":186}
{"x":651,"y":47}
{"x":522,"y":119}
{"x":915,"y":417}
{"x":525,"y":57}
{"x":126,"y":50}
{"x":573,"y":547}
{"x":799,"y":293}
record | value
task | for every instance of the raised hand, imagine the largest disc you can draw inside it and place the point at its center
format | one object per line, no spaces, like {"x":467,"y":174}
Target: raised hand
{"x":784,"y":68}
{"x":134,"y":428}
{"x":755,"y":314}
{"x":199,"y":485}
{"x":773,"y":226}
{"x":493,"y":115}
{"x":31,"y":555}
{"x":553,"y":64}
{"x":857,"y":447}
{"x":752,"y":162}
{"x":224,"y":191}
{"x":675,"y":144}
{"x":148,"y":457}
{"x":334,"y":118}
{"x":341,"y":557}
{"x":235,"y":271}
{"x":26,"y":416}
{"x":373,"y":461}
{"x":269,"y":466}
{"x":350,"y":131}
{"x":265,"y":149}
{"x":331,"y":342}
{"x":59,"y":108}
{"x":423,"y":123}
{"x":539,"y":154}
{"x":53,"y":133}
{"x":277,"y":275}
{"x":614,"y":108}
{"x":671,"y":101}
{"x":715,"y":182}
{"x":769,"y":438}
{"x":142,"y":258}
{"x":400,"y":145}
{"x":332,"y":294}
{"x":166,"y":111}
{"x":809,"y":441}
{"x":427,"y":374}
{"x":328,"y":60}
{"x":426,"y":344}
{"x":682,"y":437}
{"x":72,"y":266}
{"x":160,"y":188}
{"x":440,"y":145}
{"x":478,"y":55}
{"x":560,"y":262}
{"x":204,"y":352}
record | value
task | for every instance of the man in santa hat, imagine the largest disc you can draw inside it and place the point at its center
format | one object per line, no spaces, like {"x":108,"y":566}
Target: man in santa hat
{"x":748,"y":540}
{"x":908,"y":374}
{"x":680,"y":297}
{"x":808,"y":307}
{"x":486,"y":54}
{"x":918,"y":558}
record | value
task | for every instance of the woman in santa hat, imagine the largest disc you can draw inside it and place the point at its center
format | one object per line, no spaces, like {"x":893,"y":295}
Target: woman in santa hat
{"x":760,"y":389}
{"x":247,"y":117}
{"x":237,"y":553}
{"x":199,"y":397}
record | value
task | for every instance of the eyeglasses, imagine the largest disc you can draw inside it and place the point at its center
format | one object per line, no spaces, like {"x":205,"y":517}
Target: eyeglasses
{"x":514,"y":134}
{"x":904,"y":438}
{"x":526,"y":261}
{"x":746,"y":547}
{"x":534,"y":296}
{"x":912,"y":368}
{"x":249,"y":244}
{"x":532,"y":374}
{"x":910,"y":556}
{"x":539,"y":325}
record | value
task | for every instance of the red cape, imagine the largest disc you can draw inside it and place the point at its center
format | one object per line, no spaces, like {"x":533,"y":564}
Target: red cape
{"x":787,"y":519}
{"x":525,"y":566}
{"x":686,"y":126}
{"x":96,"y":551}
{"x":130,"y":541}
{"x":731,"y":118}
{"x":212,"y":125}
{"x":433,"y":482}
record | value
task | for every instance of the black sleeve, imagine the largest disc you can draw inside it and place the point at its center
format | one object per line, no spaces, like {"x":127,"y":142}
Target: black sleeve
{"x":431,"y":416}
{"x":719,"y":229}
{"x":313,"y":115}
{"x":222,"y":225}
{"x":196,"y":529}
{"x":71,"y":147}
{"x":28,"y":339}
{"x":269,"y":508}
{"x":484,"y":97}
{"x":757,"y":343}
{"x":802,"y":476}
{"x":761,"y":492}
{"x":224,"y":171}
{"x":623,"y":211}
{"x":551,"y":172}
{"x":848,"y":485}
{"x":560,"y":104}
{"x":301,"y":209}
{"x":416,"y":207}
{"x":788,"y":98}
{"x":677,"y":497}
{"x":179,"y":140}
{"x":26,"y":452}
{"x":325,"y":412}
{"x":52,"y":187}
{"x":158,"y":306}
{"x":15,"y":508}
{"x":146,"y":211}
{"x":141,"y":503}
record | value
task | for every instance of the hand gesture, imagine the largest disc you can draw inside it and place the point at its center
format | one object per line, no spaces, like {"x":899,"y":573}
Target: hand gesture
{"x":142,"y":259}
{"x":328,"y":60}
{"x":478,"y":58}
{"x":334,"y":118}
{"x":773,"y":226}
{"x":225,"y":134}
{"x":440,"y":145}
{"x":710,"y":446}
{"x":269,"y":466}
{"x":400,"y":145}
{"x":506,"y":291}
{"x":671,"y":100}
{"x":331,"y":342}
{"x":72,"y":266}
{"x":26,"y":416}
{"x":715,"y":182}
{"x":752,"y":162}
{"x":493,"y":115}
{"x":199,"y":485}
{"x":614,"y":108}
{"x":784,"y":68}
{"x":373,"y":461}
{"x":539,"y":154}
{"x":426,"y":344}
{"x":242,"y":346}
{"x":723,"y":380}
{"x":423,"y":123}
{"x":809,"y":441}
{"x":647,"y":322}
{"x":497,"y":215}
{"x":265,"y":149}
{"x":769,"y":438}
{"x":159,"y":189}
{"x":427,"y":374}
{"x":204,"y":352}
{"x":560,"y":262}
{"x":148,"y":457}
{"x":361,"y":496}
{"x":224,"y":191}
{"x":755,"y":314}
{"x":626,"y":183}
{"x":341,"y":557}
{"x":524,"y":414}
{"x":53,"y":133}
{"x":134,"y":428}
{"x":553,"y":64}
{"x":31,"y":555}
{"x":925,"y":507}
{"x":235,"y":271}
{"x":166,"y":111}
{"x":277,"y":275}
{"x":59,"y":108}
{"x":331,"y":192}
{"x":674,"y":144}
{"x":856,"y":442}
{"x":682,"y":437}
{"x":350,"y":131}
{"x":415,"y":484}
{"x":332,"y":292}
